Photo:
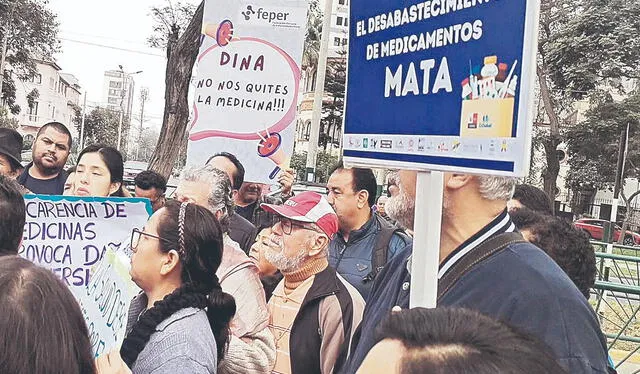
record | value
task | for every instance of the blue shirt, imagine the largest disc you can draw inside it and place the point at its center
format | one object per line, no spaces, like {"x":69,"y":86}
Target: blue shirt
{"x":352,"y":259}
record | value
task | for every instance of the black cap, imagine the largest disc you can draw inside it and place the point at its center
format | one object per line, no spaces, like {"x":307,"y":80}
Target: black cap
{"x":11,"y":145}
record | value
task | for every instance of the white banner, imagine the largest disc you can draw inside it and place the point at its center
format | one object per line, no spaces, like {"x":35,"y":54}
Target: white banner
{"x":69,"y":234}
{"x":247,"y":84}
{"x":105,"y":303}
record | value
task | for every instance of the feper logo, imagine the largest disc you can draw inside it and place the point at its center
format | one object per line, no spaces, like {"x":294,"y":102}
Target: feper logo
{"x":248,"y":13}
{"x":262,"y":14}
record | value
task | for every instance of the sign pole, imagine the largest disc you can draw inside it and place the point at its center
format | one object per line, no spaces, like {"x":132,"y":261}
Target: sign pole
{"x":426,"y":241}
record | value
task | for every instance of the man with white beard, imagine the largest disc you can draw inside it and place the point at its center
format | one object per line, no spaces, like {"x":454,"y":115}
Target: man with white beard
{"x":401,"y":204}
{"x":488,"y":267}
{"x":314,"y":311}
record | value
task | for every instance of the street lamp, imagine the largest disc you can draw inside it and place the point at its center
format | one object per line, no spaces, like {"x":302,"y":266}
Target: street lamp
{"x":122,"y":94}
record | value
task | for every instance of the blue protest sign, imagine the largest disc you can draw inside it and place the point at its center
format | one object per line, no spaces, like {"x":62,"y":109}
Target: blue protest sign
{"x":441,"y":84}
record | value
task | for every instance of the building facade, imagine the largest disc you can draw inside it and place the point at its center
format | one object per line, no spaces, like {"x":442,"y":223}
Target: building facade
{"x":338,"y":47}
{"x":58,"y":97}
{"x":118,"y":90}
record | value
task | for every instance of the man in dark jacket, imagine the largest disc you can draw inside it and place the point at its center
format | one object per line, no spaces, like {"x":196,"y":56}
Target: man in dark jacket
{"x":352,"y":194}
{"x":314,"y":311}
{"x":517,"y":283}
{"x":45,"y":174}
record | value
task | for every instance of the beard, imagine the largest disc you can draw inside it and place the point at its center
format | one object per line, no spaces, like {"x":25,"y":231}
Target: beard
{"x":283,"y":263}
{"x":47,"y":170}
{"x":401,"y":208}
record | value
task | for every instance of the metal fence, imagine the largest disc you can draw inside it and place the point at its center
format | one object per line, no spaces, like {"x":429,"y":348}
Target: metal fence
{"x":616,"y":300}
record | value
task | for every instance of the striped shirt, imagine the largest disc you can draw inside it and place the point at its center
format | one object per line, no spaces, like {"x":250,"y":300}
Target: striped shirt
{"x":283,"y":309}
{"x":501,"y":224}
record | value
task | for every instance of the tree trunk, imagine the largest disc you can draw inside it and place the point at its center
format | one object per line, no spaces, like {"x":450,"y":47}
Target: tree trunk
{"x":550,"y":174}
{"x":181,"y":56}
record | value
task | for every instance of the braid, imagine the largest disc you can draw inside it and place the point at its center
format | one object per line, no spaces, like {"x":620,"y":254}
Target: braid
{"x":221,"y":307}
{"x":183,"y":209}
{"x":183,"y":297}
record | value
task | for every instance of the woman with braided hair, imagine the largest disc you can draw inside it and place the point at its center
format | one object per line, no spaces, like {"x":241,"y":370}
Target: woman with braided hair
{"x":180,"y":322}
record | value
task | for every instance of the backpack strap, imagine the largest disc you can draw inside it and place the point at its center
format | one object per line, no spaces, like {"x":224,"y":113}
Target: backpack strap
{"x":476,"y":256}
{"x":379,"y":255}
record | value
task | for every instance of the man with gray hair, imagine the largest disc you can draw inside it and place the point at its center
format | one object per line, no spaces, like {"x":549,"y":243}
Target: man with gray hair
{"x":252,"y":346}
{"x":485,"y":265}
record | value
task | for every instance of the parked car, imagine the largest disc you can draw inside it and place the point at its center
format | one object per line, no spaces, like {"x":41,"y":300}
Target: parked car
{"x":133,"y":168}
{"x":595,"y":229}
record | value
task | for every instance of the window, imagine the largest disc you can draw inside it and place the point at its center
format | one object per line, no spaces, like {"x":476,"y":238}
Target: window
{"x":52,"y":83}
{"x":53,"y":112}
{"x":114,"y":84}
{"x":113,"y":100}
{"x":344,"y":41}
{"x":342,"y":2}
{"x":33,"y":112}
{"x":34,"y":108}
{"x":339,"y":21}
{"x":336,"y":42}
{"x":37,"y":79}
{"x":113,"y":92}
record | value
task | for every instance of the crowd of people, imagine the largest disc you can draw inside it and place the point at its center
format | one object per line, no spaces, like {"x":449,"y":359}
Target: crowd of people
{"x":237,"y":279}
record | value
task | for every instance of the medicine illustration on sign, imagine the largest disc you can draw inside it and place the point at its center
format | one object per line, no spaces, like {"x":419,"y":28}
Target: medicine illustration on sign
{"x":269,"y":147}
{"x":488,"y":99}
{"x":222,"y":32}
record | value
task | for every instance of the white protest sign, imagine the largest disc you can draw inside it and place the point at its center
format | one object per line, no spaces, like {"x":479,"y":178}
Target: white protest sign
{"x":248,"y":83}
{"x":105,"y":303}
{"x":69,"y":234}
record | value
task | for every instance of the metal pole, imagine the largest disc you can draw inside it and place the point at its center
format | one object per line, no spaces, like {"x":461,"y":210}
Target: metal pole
{"x":84,"y":115}
{"x":143,"y":98}
{"x":121,"y":109}
{"x":622,"y":152}
{"x":5,"y":42}
{"x":319,"y":91}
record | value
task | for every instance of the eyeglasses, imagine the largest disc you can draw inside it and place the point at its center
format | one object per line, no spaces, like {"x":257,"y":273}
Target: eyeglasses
{"x":135,"y":237}
{"x":287,"y":225}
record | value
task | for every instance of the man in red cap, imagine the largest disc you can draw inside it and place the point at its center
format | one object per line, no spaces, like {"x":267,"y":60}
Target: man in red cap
{"x":314,"y":311}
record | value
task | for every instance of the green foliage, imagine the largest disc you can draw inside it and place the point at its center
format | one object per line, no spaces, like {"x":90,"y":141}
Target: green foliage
{"x":169,"y":21}
{"x":324,"y":165}
{"x":332,"y":113}
{"x":594,"y":143}
{"x":6,"y":121}
{"x":101,"y":126}
{"x":312,"y":36}
{"x":32,"y":35}
{"x":597,"y":45}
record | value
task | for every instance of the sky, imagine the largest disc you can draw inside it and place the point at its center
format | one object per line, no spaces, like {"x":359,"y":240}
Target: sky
{"x":88,"y":28}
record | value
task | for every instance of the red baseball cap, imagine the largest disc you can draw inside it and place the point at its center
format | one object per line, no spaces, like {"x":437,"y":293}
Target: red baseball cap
{"x":310,"y":207}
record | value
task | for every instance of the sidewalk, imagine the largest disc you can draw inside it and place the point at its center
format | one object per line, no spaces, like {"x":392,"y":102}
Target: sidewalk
{"x":630,"y":366}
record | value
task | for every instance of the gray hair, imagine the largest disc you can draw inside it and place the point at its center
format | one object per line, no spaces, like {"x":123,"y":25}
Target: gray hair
{"x":496,"y":188}
{"x":220,"y":194}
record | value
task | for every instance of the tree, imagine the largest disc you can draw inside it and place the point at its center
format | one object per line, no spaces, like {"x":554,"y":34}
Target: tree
{"x":101,"y":127}
{"x":311,"y":48}
{"x":325,"y":164}
{"x":6,"y":121}
{"x":147,"y":143}
{"x":593,"y":145}
{"x":584,"y":47}
{"x":32,"y":34}
{"x":182,"y":52}
{"x":335,"y":87}
{"x":169,"y":21}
